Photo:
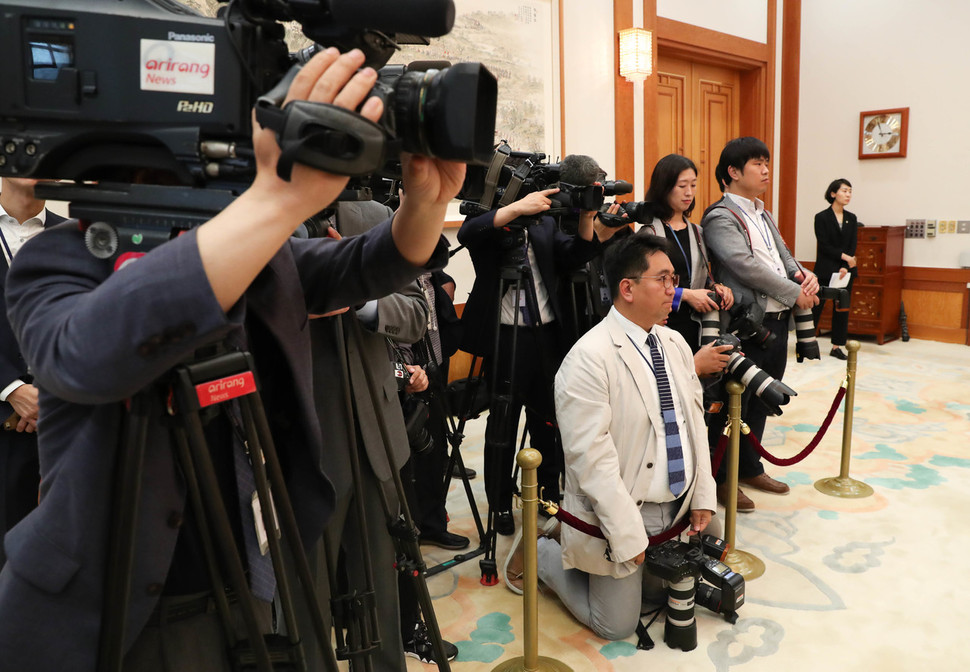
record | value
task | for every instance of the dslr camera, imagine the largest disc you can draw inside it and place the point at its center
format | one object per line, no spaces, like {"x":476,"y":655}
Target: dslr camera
{"x":682,"y":566}
{"x":167,"y":101}
{"x":416,"y":412}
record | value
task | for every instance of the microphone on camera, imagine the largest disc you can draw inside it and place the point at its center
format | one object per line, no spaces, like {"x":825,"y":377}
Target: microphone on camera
{"x":428,"y":18}
{"x":580,"y":170}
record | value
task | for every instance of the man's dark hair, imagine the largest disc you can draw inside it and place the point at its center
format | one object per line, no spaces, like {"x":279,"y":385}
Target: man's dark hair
{"x":736,"y":154}
{"x":630,"y":258}
{"x":662,"y":182}
{"x":834,"y":187}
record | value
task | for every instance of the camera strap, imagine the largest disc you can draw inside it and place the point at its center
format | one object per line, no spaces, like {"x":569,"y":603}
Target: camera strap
{"x":494,"y":172}
{"x":515,"y":183}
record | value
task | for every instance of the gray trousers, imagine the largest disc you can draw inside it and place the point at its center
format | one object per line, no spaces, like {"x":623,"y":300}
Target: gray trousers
{"x":609,"y":607}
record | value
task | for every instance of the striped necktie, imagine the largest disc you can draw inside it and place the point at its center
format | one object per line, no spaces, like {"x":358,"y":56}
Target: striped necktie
{"x":675,"y":451}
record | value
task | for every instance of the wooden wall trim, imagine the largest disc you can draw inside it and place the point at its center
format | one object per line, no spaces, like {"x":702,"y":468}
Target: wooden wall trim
{"x":562,"y":85}
{"x":651,"y":124}
{"x":622,"y":95}
{"x":787,"y":165}
{"x":684,"y":40}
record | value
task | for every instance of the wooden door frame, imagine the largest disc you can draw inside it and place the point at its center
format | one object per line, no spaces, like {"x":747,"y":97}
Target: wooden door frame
{"x":757,"y":64}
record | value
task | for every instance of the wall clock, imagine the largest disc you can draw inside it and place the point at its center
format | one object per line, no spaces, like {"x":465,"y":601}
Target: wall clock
{"x":883,"y":133}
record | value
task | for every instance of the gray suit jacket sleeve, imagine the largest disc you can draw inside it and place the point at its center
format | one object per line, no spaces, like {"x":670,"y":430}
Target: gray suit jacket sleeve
{"x":737,"y":267}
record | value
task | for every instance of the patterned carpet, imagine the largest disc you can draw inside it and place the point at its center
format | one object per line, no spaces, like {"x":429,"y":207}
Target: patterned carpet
{"x":850,"y":584}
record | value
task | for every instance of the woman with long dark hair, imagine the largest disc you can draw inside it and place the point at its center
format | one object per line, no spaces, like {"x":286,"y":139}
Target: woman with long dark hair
{"x":835,"y":231}
{"x":670,"y":200}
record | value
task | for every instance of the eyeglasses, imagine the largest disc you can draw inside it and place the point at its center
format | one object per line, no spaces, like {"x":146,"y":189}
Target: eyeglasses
{"x":668,"y":280}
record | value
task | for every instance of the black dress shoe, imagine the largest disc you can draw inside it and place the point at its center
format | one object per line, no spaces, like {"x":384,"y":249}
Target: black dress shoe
{"x":504,"y":523}
{"x":457,"y":473}
{"x":452,"y":542}
{"x":838,"y":354}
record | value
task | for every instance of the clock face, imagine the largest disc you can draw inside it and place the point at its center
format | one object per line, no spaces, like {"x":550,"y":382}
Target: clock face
{"x":881,"y":133}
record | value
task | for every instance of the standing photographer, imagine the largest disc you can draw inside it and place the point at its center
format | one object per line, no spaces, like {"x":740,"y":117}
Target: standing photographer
{"x":669,"y":203}
{"x":547,"y":254}
{"x":750,"y":257}
{"x":94,"y":338}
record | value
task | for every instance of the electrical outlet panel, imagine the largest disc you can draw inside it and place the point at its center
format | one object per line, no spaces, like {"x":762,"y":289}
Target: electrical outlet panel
{"x":915,"y":228}
{"x":931,"y":228}
{"x":941,"y":227}
{"x":951,"y":226}
{"x":963,"y":226}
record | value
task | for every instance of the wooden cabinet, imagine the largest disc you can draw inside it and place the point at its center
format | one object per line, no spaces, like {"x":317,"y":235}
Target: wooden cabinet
{"x":877,"y":291}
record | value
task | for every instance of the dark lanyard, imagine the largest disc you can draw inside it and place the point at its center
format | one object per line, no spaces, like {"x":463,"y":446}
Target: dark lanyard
{"x":687,"y":261}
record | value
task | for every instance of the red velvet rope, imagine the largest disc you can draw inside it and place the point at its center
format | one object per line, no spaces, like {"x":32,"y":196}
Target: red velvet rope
{"x":787,"y":462}
{"x":569,"y":519}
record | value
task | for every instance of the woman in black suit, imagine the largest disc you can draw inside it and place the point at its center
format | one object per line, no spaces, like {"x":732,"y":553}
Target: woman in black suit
{"x":835,"y":231}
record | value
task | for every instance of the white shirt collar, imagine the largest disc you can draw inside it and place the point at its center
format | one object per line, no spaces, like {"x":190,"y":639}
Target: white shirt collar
{"x":637,"y":333}
{"x":757,"y":205}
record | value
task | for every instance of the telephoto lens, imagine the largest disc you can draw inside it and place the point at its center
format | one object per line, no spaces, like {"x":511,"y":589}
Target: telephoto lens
{"x":680,"y":630}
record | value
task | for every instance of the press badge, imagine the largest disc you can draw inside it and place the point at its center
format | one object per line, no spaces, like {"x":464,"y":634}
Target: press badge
{"x":261,"y":537}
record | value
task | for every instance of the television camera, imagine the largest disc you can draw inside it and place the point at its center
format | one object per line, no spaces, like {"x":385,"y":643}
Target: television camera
{"x":167,"y":102}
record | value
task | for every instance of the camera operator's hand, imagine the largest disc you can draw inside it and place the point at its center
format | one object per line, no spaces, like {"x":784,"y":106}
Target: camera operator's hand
{"x":238,"y":242}
{"x":712,"y":359}
{"x":727,"y":296}
{"x":430,"y":185}
{"x":699,"y":520}
{"x":603,"y":232}
{"x":419,"y":379}
{"x":531,"y":204}
{"x":24,"y":401}
{"x":806,"y":300}
{"x":698,"y":300}
{"x":809,"y":282}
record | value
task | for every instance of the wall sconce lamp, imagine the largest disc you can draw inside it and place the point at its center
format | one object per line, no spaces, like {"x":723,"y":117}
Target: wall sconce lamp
{"x":636,"y":54}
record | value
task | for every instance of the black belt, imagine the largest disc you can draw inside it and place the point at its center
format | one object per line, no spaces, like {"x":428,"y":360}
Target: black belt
{"x":779,"y":315}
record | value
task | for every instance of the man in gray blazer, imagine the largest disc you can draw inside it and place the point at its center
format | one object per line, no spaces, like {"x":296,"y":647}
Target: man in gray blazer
{"x":750,"y":257}
{"x":616,"y":442}
{"x":342,"y":361}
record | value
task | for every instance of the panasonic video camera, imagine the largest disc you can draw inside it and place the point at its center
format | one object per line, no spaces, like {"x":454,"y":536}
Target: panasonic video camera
{"x":114,"y":90}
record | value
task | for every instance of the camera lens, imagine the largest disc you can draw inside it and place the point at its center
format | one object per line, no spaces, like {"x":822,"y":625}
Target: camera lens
{"x":447,"y":113}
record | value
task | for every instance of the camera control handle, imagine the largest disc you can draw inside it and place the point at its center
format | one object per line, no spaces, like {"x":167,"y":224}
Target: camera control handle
{"x":329,"y":138}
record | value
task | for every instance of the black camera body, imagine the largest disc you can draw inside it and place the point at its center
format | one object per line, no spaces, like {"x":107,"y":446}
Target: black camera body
{"x":173,"y":91}
{"x":682,"y":565}
{"x":416,"y":412}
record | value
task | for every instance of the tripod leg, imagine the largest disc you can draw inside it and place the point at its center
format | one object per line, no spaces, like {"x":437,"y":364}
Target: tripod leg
{"x":224,"y":538}
{"x":121,"y":550}
{"x":273,"y":474}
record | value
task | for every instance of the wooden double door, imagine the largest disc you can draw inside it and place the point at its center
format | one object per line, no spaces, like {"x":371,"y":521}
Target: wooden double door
{"x":698,"y":110}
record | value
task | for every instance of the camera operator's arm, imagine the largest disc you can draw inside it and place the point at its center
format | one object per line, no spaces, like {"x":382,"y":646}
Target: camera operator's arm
{"x":237,"y":243}
{"x":532,"y":204}
{"x":727,"y":296}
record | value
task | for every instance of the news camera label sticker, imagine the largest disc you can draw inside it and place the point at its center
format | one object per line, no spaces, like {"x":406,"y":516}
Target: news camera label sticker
{"x":178,"y":67}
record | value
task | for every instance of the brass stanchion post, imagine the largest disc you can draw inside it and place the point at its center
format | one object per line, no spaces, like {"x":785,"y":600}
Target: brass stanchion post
{"x":528,"y":460}
{"x":842,"y":485}
{"x":745,"y":564}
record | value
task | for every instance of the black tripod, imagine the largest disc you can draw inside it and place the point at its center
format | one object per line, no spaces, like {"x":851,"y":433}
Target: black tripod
{"x":515,"y":275}
{"x":185,"y":397}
